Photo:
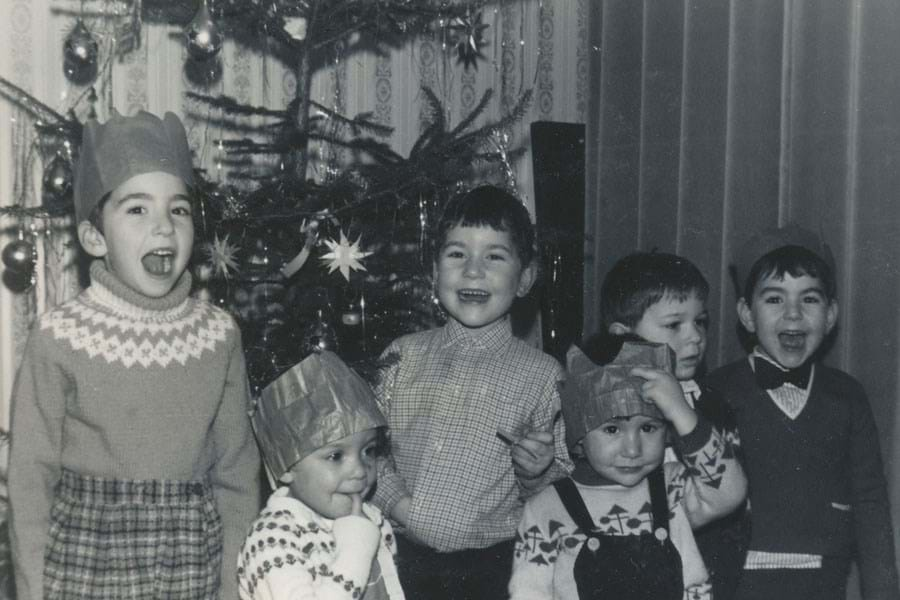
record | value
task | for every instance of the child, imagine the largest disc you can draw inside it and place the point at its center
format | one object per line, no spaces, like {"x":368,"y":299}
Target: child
{"x":661,"y":298}
{"x":133,"y":469}
{"x":471,"y":408}
{"x":817,"y":490}
{"x":620,"y":526}
{"x":321,"y":434}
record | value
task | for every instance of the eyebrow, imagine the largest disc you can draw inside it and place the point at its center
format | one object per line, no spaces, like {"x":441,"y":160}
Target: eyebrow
{"x":458,"y":244}
{"x":147,"y":196}
{"x":775,"y":288}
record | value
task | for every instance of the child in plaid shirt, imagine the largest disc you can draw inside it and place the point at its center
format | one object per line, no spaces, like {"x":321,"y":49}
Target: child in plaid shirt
{"x":472,"y":410}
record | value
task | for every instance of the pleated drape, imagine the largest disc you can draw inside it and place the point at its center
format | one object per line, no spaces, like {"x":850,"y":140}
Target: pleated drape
{"x":710,"y":120}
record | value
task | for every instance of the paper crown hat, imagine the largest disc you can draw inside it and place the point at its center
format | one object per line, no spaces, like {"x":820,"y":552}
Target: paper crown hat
{"x":594,"y":394}
{"x":772,"y":239}
{"x":115,"y":151}
{"x":318,"y":401}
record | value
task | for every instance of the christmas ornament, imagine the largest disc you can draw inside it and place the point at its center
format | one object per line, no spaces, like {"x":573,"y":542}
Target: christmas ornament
{"x":57,"y":181}
{"x":344,"y":256}
{"x":469,"y":39}
{"x":80,"y":52}
{"x":203,"y":37}
{"x":20,"y":256}
{"x":310,"y":230}
{"x":319,"y":336}
{"x":221,"y":255}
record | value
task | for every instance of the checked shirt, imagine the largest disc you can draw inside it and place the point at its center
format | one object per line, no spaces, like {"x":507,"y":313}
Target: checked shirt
{"x":445,"y":397}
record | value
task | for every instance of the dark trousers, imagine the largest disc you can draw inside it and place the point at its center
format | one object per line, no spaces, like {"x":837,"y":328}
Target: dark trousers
{"x":827,"y":583}
{"x":426,"y":574}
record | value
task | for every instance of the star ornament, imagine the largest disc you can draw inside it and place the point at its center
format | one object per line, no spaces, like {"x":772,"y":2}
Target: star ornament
{"x":222,"y":256}
{"x":344,"y":256}
{"x":469,"y":40}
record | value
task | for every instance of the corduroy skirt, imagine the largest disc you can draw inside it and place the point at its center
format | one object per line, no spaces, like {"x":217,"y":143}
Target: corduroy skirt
{"x":113,"y":538}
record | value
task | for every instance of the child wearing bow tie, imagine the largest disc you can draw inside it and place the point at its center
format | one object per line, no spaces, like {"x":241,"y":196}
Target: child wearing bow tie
{"x":818,"y":497}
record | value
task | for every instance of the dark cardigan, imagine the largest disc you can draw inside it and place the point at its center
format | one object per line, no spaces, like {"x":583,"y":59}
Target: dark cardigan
{"x":817,"y":485}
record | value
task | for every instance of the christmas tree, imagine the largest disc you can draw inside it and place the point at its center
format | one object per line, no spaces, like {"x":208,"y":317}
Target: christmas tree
{"x":339,"y":262}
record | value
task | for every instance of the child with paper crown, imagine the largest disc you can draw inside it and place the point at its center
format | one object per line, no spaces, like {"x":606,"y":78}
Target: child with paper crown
{"x":621,"y":525}
{"x":660,"y":297}
{"x":321,"y":435}
{"x":133,"y":472}
{"x":808,"y":435}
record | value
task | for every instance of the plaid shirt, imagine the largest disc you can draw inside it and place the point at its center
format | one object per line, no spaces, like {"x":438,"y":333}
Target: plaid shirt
{"x":445,"y":398}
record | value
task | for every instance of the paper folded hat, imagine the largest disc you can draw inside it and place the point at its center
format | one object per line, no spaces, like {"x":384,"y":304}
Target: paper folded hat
{"x":594,"y":394}
{"x":318,"y":401}
{"x":114,"y":152}
{"x":772,"y":239}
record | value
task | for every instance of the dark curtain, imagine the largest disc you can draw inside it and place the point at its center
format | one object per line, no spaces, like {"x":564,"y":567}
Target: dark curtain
{"x":710,"y":120}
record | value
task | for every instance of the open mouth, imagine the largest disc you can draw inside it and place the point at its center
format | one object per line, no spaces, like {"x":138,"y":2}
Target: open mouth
{"x":159,"y":262}
{"x":792,"y":341}
{"x":473,"y":296}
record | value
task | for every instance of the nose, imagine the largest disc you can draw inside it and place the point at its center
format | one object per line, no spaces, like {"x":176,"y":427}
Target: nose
{"x":792,"y":310}
{"x":693,"y":334}
{"x":631,"y":446}
{"x":473,"y":267}
{"x":356,"y":468}
{"x":163,"y":223}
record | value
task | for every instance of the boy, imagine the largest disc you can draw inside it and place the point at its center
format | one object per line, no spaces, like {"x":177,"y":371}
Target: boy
{"x":133,"y":469}
{"x":661,"y":298}
{"x":471,"y":409}
{"x":817,"y":490}
{"x":620,"y":526}
{"x":322,"y":435}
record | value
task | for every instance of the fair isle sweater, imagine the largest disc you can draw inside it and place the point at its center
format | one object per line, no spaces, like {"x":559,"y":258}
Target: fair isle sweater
{"x":707,"y":484}
{"x":115,"y":384}
{"x":294,"y":553}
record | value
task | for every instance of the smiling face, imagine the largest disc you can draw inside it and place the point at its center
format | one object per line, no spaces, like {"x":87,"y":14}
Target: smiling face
{"x":625,"y":450}
{"x":478,"y":275}
{"x":148,"y":233}
{"x":790,"y":316}
{"x":327,"y":479}
{"x":680,"y":323}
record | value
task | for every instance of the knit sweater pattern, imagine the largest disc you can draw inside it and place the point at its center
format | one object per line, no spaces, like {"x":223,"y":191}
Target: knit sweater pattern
{"x":119,"y":385}
{"x":291,"y":552}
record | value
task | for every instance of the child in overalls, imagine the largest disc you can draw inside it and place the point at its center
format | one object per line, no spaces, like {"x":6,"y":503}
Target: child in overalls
{"x":621,"y":525}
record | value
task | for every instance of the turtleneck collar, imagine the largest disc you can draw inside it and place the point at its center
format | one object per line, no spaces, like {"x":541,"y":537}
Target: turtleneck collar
{"x":111,"y":288}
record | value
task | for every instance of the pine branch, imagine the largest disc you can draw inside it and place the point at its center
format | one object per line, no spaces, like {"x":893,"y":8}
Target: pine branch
{"x":474,"y":113}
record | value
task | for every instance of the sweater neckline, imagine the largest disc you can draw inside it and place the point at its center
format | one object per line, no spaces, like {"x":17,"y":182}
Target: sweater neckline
{"x":109,"y":290}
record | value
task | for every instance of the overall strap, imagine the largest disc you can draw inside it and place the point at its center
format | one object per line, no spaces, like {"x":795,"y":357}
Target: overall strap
{"x":659,"y":501}
{"x":574,"y":504}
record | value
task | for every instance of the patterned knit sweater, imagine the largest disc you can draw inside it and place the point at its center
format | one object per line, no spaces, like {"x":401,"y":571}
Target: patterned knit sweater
{"x":294,"y":553}
{"x":116,"y":384}
{"x":709,"y":484}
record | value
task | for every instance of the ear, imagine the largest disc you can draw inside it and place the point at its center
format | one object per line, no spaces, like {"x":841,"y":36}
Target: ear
{"x":526,"y":280}
{"x":619,"y":329}
{"x":745,"y":315}
{"x":91,"y":239}
{"x":831,"y":316}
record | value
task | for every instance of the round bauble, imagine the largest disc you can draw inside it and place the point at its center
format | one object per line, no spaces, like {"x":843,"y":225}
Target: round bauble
{"x":18,"y":256}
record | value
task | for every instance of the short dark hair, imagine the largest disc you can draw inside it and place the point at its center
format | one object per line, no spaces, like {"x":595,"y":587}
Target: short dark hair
{"x":489,"y":206}
{"x":95,"y":217}
{"x":796,"y":261}
{"x":638,"y":281}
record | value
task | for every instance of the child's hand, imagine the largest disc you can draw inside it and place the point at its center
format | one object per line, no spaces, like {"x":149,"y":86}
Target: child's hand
{"x":664,"y":391}
{"x":356,"y":506}
{"x":400,"y":512}
{"x":532,"y":454}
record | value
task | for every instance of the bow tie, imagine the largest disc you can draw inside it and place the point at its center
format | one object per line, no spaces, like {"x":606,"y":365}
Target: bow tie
{"x":769,"y":377}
